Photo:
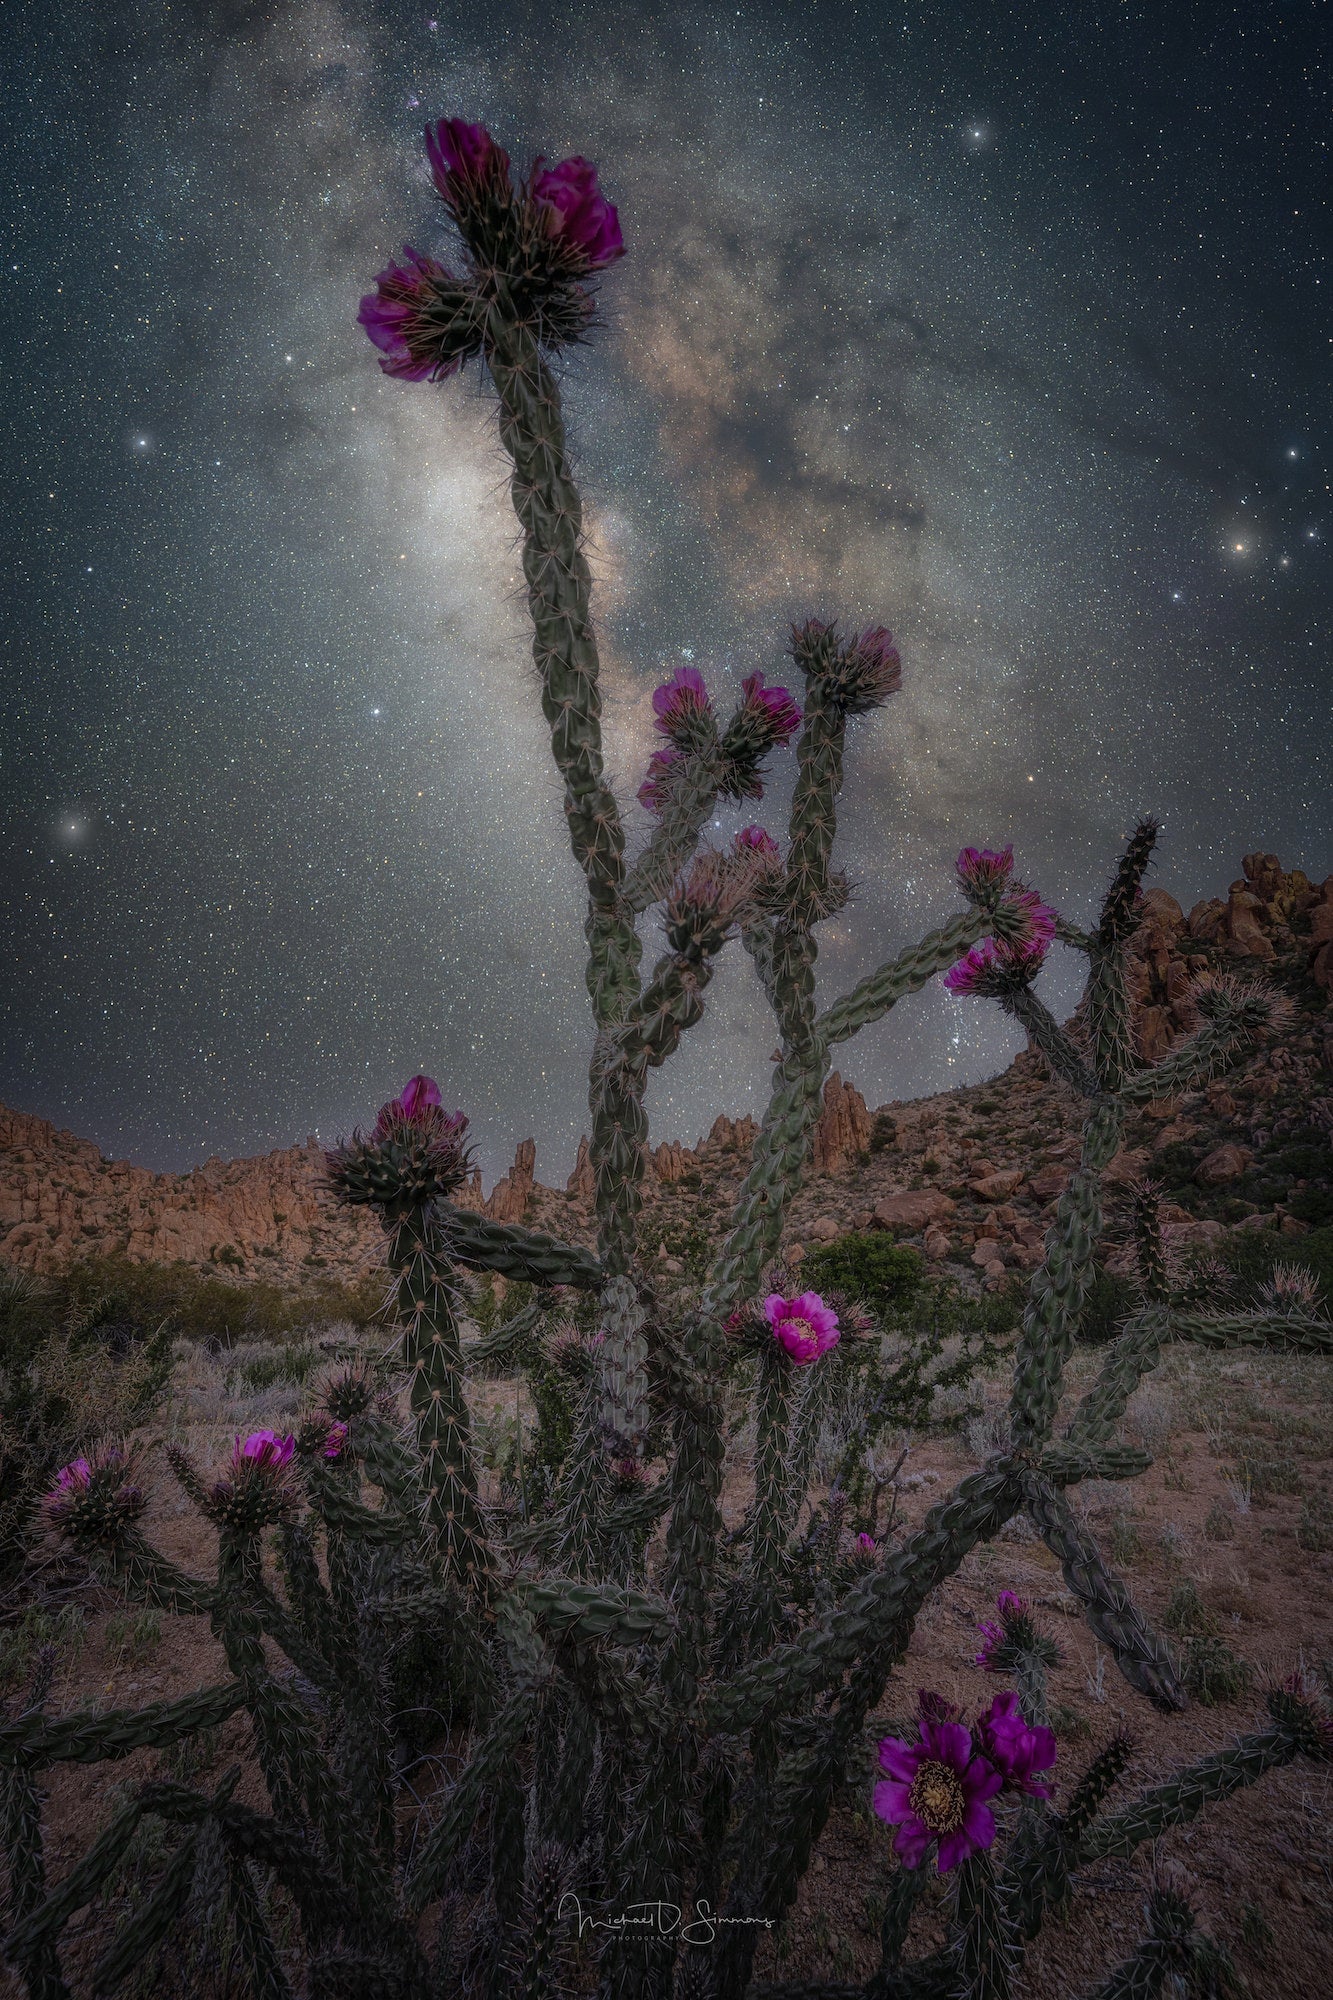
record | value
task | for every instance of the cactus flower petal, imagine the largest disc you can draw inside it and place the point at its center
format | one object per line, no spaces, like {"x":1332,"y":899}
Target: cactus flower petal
{"x":1016,"y":1748}
{"x":581,"y":216}
{"x":803,"y":1327}
{"x":936,"y":1792}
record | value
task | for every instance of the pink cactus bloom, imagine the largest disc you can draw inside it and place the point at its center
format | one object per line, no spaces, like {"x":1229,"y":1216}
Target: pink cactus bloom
{"x":984,"y":871}
{"x":334,"y":1442}
{"x":992,"y":1636}
{"x":681,"y":704}
{"x":656,"y":787}
{"x":867,"y":1542}
{"x":772,"y":709}
{"x":580,"y":214}
{"x":264,"y":1448}
{"x":936,"y":1790}
{"x":395,"y":317}
{"x":1016,"y":1748}
{"x":421,"y":1092}
{"x":1010,"y":1605}
{"x":74,"y":1476}
{"x":754,"y":840}
{"x":932,"y":1707}
{"x":463,"y":156}
{"x":803,"y":1327}
{"x":991,"y":968}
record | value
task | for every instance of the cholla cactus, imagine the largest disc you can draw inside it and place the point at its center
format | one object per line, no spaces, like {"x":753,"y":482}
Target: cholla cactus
{"x":624,"y":1732}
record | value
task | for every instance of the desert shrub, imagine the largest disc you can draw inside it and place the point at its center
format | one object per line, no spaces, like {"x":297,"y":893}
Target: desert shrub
{"x":883,"y":1132}
{"x":1314,"y":1530}
{"x":868,"y":1266}
{"x":290,"y":1364}
{"x":1213,"y":1673}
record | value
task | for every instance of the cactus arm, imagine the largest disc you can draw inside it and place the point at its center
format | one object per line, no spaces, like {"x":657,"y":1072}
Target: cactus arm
{"x":1130,"y":1359}
{"x":510,"y":1340}
{"x":22,"y":1846}
{"x":1059,"y":1285}
{"x":1289,"y":1332}
{"x":674,"y":838}
{"x":41,"y":1926}
{"x":587,"y":1611}
{"x":876,"y":1615}
{"x":427,"y":1309}
{"x":767,"y":1525}
{"x":875,"y":995}
{"x":985,"y":1950}
{"x":429,"y":1866}
{"x":91,"y":1738}
{"x":1051,"y":1041}
{"x":1070,"y":1462}
{"x":1143,"y":1658}
{"x":1213,"y":1047}
{"x":259,"y":1956}
{"x":147,"y":1577}
{"x":524,"y":1254}
{"x":1183,"y":1797}
{"x":148,"y":1927}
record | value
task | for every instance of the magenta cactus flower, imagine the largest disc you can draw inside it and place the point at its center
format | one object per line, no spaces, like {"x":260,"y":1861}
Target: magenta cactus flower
{"x":421,"y":1094}
{"x":1016,"y":1748}
{"x":936,"y":1792}
{"x":464,"y":159}
{"x":95,"y":1498}
{"x":683,"y":711}
{"x":775,"y":714}
{"x":334,"y":1442}
{"x":754,"y":840}
{"x":803,"y":1327}
{"x":991,"y":969}
{"x":399,"y":318}
{"x":867,"y":1543}
{"x":263,"y":1448}
{"x":856,"y":674}
{"x":579,"y":215}
{"x":656,"y":787}
{"x":984,"y":872}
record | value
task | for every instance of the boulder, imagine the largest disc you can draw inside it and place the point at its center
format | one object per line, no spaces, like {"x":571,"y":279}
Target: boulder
{"x":912,"y":1211}
{"x":999,"y":1186}
{"x":937,"y":1245}
{"x":1224,"y":1163}
{"x":1049,"y":1182}
{"x":824,"y":1229}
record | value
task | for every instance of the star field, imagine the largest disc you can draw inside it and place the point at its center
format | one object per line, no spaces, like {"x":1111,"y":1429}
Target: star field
{"x":1007,"y":327}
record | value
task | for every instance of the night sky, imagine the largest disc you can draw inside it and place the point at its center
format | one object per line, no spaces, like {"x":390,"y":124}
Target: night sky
{"x":1006,"y":327}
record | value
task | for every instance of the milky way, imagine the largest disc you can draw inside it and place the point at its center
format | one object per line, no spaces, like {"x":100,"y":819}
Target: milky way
{"x":1009,"y":332}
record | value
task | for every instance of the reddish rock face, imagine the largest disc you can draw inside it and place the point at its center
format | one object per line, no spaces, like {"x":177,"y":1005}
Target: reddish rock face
{"x":511,"y":1194}
{"x":999,"y":1186}
{"x":843,"y":1131}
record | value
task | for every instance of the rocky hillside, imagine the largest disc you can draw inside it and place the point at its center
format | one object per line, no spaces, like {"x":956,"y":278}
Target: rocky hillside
{"x":968,"y":1174}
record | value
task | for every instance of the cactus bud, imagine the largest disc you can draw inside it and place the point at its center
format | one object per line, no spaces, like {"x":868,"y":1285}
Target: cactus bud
{"x":706,"y":904}
{"x":415,"y":1154}
{"x":854,"y":675}
{"x":465,"y":161}
{"x":1016,"y":1633}
{"x":766,"y":719}
{"x":1017,"y":1749}
{"x":423,"y":319}
{"x":983,"y":874}
{"x":257,"y":1492}
{"x":664,"y":766}
{"x":95,"y":1500}
{"x":683,"y":712}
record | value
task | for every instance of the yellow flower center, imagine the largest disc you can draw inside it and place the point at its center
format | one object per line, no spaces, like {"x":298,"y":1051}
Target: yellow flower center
{"x":801,"y":1328}
{"x":937,"y":1797}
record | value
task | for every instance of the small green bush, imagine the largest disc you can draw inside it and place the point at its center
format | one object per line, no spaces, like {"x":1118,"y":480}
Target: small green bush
{"x":868,"y":1265}
{"x":1213,"y":1674}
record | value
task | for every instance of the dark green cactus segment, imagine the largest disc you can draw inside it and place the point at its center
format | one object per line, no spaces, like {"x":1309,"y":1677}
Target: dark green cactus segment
{"x":541,"y":1954}
{"x":37,"y":1740}
{"x":811,"y":890}
{"x":22,"y":1846}
{"x":1234,"y":1016}
{"x":1149,"y":1244}
{"x":522,"y":1254}
{"x":1062,"y":1058}
{"x":1286,"y":1333}
{"x":985,"y":1947}
{"x":1039,"y":1870}
{"x":768,"y":1522}
{"x":900,"y":1901}
{"x":692,"y":794}
{"x":1059,"y":1286}
{"x":408,"y":1160}
{"x":1121,"y":910}
{"x":428,"y":1869}
{"x":550,"y":511}
{"x":40,"y":1926}
{"x":152,"y":1922}
{"x":694,"y":1528}
{"x":875,"y":995}
{"x":427,"y":1311}
{"x":1163,"y":1953}
{"x":1130,"y":1359}
{"x":1142,"y":1657}
{"x":594,"y":1611}
{"x":1096,"y":1785}
{"x":622,"y":1365}
{"x":254,"y":1937}
{"x":1066,"y":1463}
